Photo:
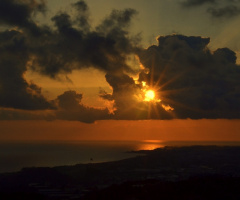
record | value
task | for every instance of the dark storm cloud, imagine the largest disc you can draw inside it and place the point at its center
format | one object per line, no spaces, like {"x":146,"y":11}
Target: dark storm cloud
{"x":71,"y":44}
{"x":19,"y":13}
{"x":69,"y":100}
{"x":124,"y":89}
{"x":70,"y":108}
{"x":74,"y":46}
{"x":15,"y":91}
{"x":197,"y":83}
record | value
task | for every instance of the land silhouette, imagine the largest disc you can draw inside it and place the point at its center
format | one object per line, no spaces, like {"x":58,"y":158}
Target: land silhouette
{"x":193,"y":172}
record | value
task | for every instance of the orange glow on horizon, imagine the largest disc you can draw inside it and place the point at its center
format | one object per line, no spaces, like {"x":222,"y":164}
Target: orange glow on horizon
{"x":163,"y":130}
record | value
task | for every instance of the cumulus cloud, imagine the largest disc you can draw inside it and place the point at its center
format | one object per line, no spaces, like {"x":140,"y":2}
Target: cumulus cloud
{"x":15,"y":91}
{"x":71,"y":44}
{"x":70,"y":108}
{"x":129,"y":101}
{"x":196,"y":82}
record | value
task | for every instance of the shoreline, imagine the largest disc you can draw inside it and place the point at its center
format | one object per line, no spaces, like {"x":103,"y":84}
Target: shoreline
{"x":175,"y":165}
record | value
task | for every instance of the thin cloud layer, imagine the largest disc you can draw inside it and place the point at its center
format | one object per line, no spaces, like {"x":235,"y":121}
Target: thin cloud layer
{"x":217,"y":9}
{"x":227,"y":11}
{"x":189,"y":3}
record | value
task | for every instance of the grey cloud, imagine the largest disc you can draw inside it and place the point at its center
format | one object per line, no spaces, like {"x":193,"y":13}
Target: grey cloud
{"x":19,"y":13}
{"x":189,"y":3}
{"x":73,"y":46}
{"x":221,"y":9}
{"x":70,"y":108}
{"x":15,"y":92}
{"x":83,"y":15}
{"x":124,"y":89}
{"x":227,"y":11}
{"x":225,"y":56}
{"x":69,"y":100}
{"x":196,"y":82}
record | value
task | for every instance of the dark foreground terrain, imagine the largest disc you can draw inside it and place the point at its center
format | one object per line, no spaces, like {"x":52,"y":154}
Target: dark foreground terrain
{"x":197,"y":172}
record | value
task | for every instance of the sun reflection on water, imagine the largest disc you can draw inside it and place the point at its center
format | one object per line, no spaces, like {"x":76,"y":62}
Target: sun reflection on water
{"x":149,"y":145}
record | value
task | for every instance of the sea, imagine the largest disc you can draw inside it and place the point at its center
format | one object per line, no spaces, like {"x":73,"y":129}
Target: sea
{"x":17,"y":155}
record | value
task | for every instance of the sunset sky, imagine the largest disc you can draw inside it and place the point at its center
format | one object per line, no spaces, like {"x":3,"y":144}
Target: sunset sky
{"x":119,"y":69}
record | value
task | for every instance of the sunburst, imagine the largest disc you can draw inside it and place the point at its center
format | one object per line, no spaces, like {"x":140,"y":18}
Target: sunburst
{"x":149,"y":95}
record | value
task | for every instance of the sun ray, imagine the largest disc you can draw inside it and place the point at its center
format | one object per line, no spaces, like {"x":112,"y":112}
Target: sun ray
{"x":171,"y":80}
{"x":161,"y":76}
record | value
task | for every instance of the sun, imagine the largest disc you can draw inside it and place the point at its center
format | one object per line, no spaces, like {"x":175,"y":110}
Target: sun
{"x":149,"y":95}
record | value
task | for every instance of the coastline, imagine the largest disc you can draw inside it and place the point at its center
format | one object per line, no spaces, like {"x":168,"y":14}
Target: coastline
{"x":16,"y":155}
{"x":169,"y":164}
